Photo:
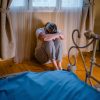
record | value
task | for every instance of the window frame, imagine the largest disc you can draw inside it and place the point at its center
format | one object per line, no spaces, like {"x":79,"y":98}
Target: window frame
{"x":28,"y":6}
{"x":42,"y":9}
{"x":25,"y":7}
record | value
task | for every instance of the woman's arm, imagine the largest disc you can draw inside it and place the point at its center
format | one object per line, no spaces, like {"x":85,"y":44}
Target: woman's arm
{"x":49,"y":37}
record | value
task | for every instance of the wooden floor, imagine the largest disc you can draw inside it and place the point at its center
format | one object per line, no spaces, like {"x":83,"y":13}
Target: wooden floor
{"x":9,"y":67}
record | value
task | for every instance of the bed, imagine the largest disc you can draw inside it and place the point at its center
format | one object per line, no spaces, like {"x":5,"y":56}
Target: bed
{"x":47,"y":85}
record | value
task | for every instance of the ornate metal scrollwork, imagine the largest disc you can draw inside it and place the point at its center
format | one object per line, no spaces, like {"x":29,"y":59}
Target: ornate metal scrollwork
{"x":89,"y":36}
{"x":76,"y":45}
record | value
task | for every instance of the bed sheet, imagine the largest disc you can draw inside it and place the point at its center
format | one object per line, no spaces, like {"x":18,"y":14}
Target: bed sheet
{"x":48,"y":85}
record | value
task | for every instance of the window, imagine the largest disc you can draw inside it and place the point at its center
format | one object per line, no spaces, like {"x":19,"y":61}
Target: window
{"x":72,"y":3}
{"x":18,"y":3}
{"x":46,"y":4}
{"x":43,"y":3}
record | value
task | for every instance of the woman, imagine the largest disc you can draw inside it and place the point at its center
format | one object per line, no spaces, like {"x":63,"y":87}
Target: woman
{"x":49,"y":45}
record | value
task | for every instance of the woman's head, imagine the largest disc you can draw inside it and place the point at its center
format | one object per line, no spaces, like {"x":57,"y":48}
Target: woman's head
{"x":50,"y":28}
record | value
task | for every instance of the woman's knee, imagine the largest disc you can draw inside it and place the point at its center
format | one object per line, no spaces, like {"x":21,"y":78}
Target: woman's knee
{"x":48,"y":43}
{"x":50,"y":49}
{"x":58,"y":43}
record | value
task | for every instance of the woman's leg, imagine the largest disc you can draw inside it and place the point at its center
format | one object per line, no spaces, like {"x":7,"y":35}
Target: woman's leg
{"x":51,"y":52}
{"x":58,"y":46}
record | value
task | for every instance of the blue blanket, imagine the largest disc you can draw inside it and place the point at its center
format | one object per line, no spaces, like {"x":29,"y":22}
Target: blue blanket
{"x":48,"y":85}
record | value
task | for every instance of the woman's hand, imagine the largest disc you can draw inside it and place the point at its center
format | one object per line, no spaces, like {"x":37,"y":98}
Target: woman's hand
{"x":61,"y":36}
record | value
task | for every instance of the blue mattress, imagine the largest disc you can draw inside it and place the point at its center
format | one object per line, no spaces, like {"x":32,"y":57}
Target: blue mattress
{"x":48,"y":85}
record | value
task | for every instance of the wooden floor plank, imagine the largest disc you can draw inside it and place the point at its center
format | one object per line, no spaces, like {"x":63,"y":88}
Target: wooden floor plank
{"x":9,"y":67}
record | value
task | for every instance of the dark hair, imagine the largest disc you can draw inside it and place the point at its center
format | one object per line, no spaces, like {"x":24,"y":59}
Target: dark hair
{"x":52,"y":27}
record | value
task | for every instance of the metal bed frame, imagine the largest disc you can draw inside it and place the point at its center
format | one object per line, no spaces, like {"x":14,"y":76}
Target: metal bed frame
{"x":94,"y":38}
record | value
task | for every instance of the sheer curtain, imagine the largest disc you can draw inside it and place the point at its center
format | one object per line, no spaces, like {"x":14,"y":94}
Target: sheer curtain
{"x":72,"y":19}
{"x":26,"y":19}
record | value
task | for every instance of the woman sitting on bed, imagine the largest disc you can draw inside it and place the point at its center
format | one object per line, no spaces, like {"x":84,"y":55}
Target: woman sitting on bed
{"x":49,"y":45}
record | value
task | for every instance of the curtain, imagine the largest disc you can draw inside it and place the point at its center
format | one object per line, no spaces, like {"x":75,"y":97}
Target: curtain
{"x":71,"y":22}
{"x":87,"y":21}
{"x":6,"y":35}
{"x":24,"y":27}
{"x":25,"y":23}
